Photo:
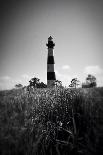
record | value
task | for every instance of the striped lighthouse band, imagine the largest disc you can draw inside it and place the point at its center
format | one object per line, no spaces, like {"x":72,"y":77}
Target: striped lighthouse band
{"x":50,"y":68}
{"x":51,"y":76}
{"x":50,"y":52}
{"x":50,"y":60}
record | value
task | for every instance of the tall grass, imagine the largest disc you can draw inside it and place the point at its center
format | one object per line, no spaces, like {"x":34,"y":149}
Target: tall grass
{"x":51,"y":121}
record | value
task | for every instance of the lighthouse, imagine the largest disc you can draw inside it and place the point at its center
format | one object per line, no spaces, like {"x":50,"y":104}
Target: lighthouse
{"x":50,"y":63}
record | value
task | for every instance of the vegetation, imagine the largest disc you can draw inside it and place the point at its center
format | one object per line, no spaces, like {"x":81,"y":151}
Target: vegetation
{"x":74,"y":83}
{"x":57,"y":83}
{"x":35,"y":83}
{"x":51,"y":121}
{"x":18,"y":86}
{"x":90,"y":82}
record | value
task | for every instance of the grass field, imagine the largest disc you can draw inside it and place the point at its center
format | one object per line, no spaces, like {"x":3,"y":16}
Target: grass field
{"x":56,"y":121}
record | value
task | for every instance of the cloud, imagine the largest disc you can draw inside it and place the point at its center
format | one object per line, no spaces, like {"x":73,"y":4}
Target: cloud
{"x":65,"y":67}
{"x":7,"y":82}
{"x":64,"y":78}
{"x":95,"y":70}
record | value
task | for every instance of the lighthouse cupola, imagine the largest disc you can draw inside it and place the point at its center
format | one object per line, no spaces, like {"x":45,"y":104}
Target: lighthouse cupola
{"x":50,"y":43}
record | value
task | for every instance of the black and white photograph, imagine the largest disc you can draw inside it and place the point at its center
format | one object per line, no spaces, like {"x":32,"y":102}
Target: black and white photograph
{"x":51,"y":77}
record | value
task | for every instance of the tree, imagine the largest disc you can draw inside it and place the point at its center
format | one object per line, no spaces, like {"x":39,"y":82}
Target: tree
{"x":91,"y":80}
{"x":74,"y":83}
{"x":41,"y":85}
{"x":33,"y":82}
{"x":58,"y":83}
{"x":18,"y":86}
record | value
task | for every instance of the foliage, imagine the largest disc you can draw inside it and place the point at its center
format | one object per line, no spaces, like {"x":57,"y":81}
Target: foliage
{"x":90,"y":82}
{"x":74,"y":83}
{"x":35,"y":83}
{"x":18,"y":86}
{"x":51,"y":121}
{"x":41,"y":85}
{"x":58,"y":83}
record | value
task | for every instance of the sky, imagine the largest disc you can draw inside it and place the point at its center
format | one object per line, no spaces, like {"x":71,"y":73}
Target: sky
{"x":77,"y":30}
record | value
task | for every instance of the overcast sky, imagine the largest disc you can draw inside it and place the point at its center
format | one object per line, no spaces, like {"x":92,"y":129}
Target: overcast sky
{"x":77,"y":30}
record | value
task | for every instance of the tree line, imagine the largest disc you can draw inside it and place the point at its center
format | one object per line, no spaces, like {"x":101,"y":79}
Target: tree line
{"x":35,"y":83}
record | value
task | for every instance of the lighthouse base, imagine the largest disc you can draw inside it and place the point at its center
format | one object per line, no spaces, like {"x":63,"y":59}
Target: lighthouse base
{"x":50,"y":83}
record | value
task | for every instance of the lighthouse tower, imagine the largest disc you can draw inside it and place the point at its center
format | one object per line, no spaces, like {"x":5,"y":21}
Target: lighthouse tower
{"x":50,"y":63}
